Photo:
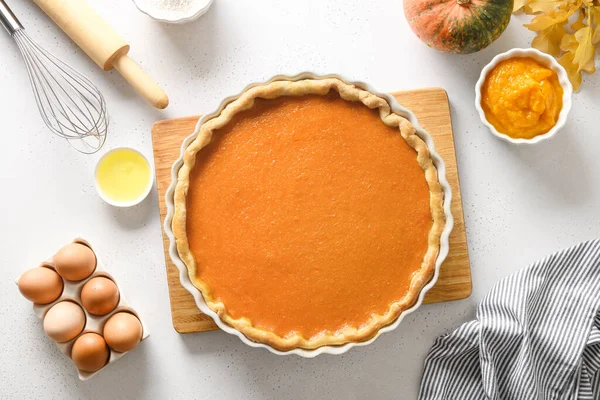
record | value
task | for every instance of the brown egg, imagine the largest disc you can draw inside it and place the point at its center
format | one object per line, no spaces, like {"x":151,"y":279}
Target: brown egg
{"x":64,"y":321}
{"x":75,"y":261}
{"x":123,"y":331}
{"x":90,"y":352}
{"x":100,"y":295}
{"x":41,"y":285}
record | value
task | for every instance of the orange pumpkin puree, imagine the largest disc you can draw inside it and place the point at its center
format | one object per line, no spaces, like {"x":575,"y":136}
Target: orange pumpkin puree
{"x":307,"y":214}
{"x":521,"y":98}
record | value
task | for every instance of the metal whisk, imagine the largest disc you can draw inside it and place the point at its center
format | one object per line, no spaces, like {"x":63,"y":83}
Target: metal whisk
{"x":70,"y":105}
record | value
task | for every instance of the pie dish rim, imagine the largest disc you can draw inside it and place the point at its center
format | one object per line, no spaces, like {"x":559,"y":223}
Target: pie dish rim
{"x":330,"y":349}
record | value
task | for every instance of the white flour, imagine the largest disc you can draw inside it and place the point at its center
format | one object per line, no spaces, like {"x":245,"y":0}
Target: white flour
{"x":176,"y":6}
{"x":174,"y":10}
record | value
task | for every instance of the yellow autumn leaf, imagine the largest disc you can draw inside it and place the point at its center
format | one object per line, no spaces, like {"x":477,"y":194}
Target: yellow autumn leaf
{"x":574,"y":76}
{"x":569,"y":43}
{"x":544,"y":21}
{"x":549,"y":39}
{"x":547,"y":6}
{"x":584,"y":54}
{"x":578,"y":24}
{"x":595,"y":13}
{"x":519,"y":4}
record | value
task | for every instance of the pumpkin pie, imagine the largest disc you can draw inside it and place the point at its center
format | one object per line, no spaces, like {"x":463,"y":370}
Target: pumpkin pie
{"x":308,"y":214}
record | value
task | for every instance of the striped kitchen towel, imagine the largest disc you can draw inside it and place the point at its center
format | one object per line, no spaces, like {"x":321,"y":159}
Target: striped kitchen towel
{"x":536,"y":336}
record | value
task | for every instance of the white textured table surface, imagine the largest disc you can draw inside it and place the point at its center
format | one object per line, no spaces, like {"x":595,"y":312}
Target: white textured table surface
{"x":520,"y":203}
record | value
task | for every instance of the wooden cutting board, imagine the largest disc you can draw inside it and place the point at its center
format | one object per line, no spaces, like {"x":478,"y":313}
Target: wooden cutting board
{"x":431,"y":108}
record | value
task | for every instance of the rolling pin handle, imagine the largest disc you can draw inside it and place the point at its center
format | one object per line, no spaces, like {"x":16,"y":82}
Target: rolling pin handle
{"x":140,"y":81}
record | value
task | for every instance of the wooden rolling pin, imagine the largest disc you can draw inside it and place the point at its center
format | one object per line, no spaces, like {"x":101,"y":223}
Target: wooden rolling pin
{"x":102,"y":44}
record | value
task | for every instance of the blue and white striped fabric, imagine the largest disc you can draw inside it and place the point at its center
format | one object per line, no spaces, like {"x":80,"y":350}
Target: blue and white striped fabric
{"x":536,"y":336}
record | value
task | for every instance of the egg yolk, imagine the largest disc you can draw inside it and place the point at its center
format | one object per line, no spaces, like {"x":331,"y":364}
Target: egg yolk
{"x":123,"y":175}
{"x":521,"y":98}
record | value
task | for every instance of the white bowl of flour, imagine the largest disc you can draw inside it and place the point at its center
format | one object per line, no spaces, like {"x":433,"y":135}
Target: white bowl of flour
{"x":173,"y":11}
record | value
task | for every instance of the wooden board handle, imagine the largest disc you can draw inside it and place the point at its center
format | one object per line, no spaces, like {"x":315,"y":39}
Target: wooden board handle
{"x":140,"y":81}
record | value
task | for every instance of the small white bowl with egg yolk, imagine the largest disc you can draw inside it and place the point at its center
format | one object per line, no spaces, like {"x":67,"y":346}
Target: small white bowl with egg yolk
{"x":123,"y":177}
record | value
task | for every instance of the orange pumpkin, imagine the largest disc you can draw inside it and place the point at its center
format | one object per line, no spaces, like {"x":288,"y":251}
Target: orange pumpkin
{"x":458,"y":26}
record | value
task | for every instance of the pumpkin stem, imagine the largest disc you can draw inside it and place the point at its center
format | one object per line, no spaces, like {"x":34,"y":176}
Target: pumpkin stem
{"x":463,"y":2}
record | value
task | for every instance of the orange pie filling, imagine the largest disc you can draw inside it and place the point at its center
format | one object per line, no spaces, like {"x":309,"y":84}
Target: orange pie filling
{"x":307,"y":215}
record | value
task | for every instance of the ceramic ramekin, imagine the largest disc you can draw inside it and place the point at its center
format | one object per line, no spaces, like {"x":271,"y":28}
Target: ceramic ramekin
{"x":122,"y":204}
{"x":183,"y":272}
{"x":548,"y":62}
{"x":199,"y":8}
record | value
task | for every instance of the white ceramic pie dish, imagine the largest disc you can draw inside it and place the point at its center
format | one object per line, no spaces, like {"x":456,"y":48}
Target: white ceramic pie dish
{"x":309,"y":353}
{"x":198,"y":8}
{"x":548,"y":62}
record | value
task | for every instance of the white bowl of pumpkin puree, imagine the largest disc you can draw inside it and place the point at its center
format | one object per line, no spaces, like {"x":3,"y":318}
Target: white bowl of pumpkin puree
{"x":523,"y":96}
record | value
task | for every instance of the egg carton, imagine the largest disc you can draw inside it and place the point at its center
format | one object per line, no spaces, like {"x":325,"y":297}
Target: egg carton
{"x":93,"y":323}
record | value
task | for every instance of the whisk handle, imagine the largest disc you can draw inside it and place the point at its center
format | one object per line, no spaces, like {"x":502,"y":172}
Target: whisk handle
{"x":8,"y":20}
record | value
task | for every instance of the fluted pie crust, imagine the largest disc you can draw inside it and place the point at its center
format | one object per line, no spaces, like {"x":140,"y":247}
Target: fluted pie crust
{"x":348,"y":93}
